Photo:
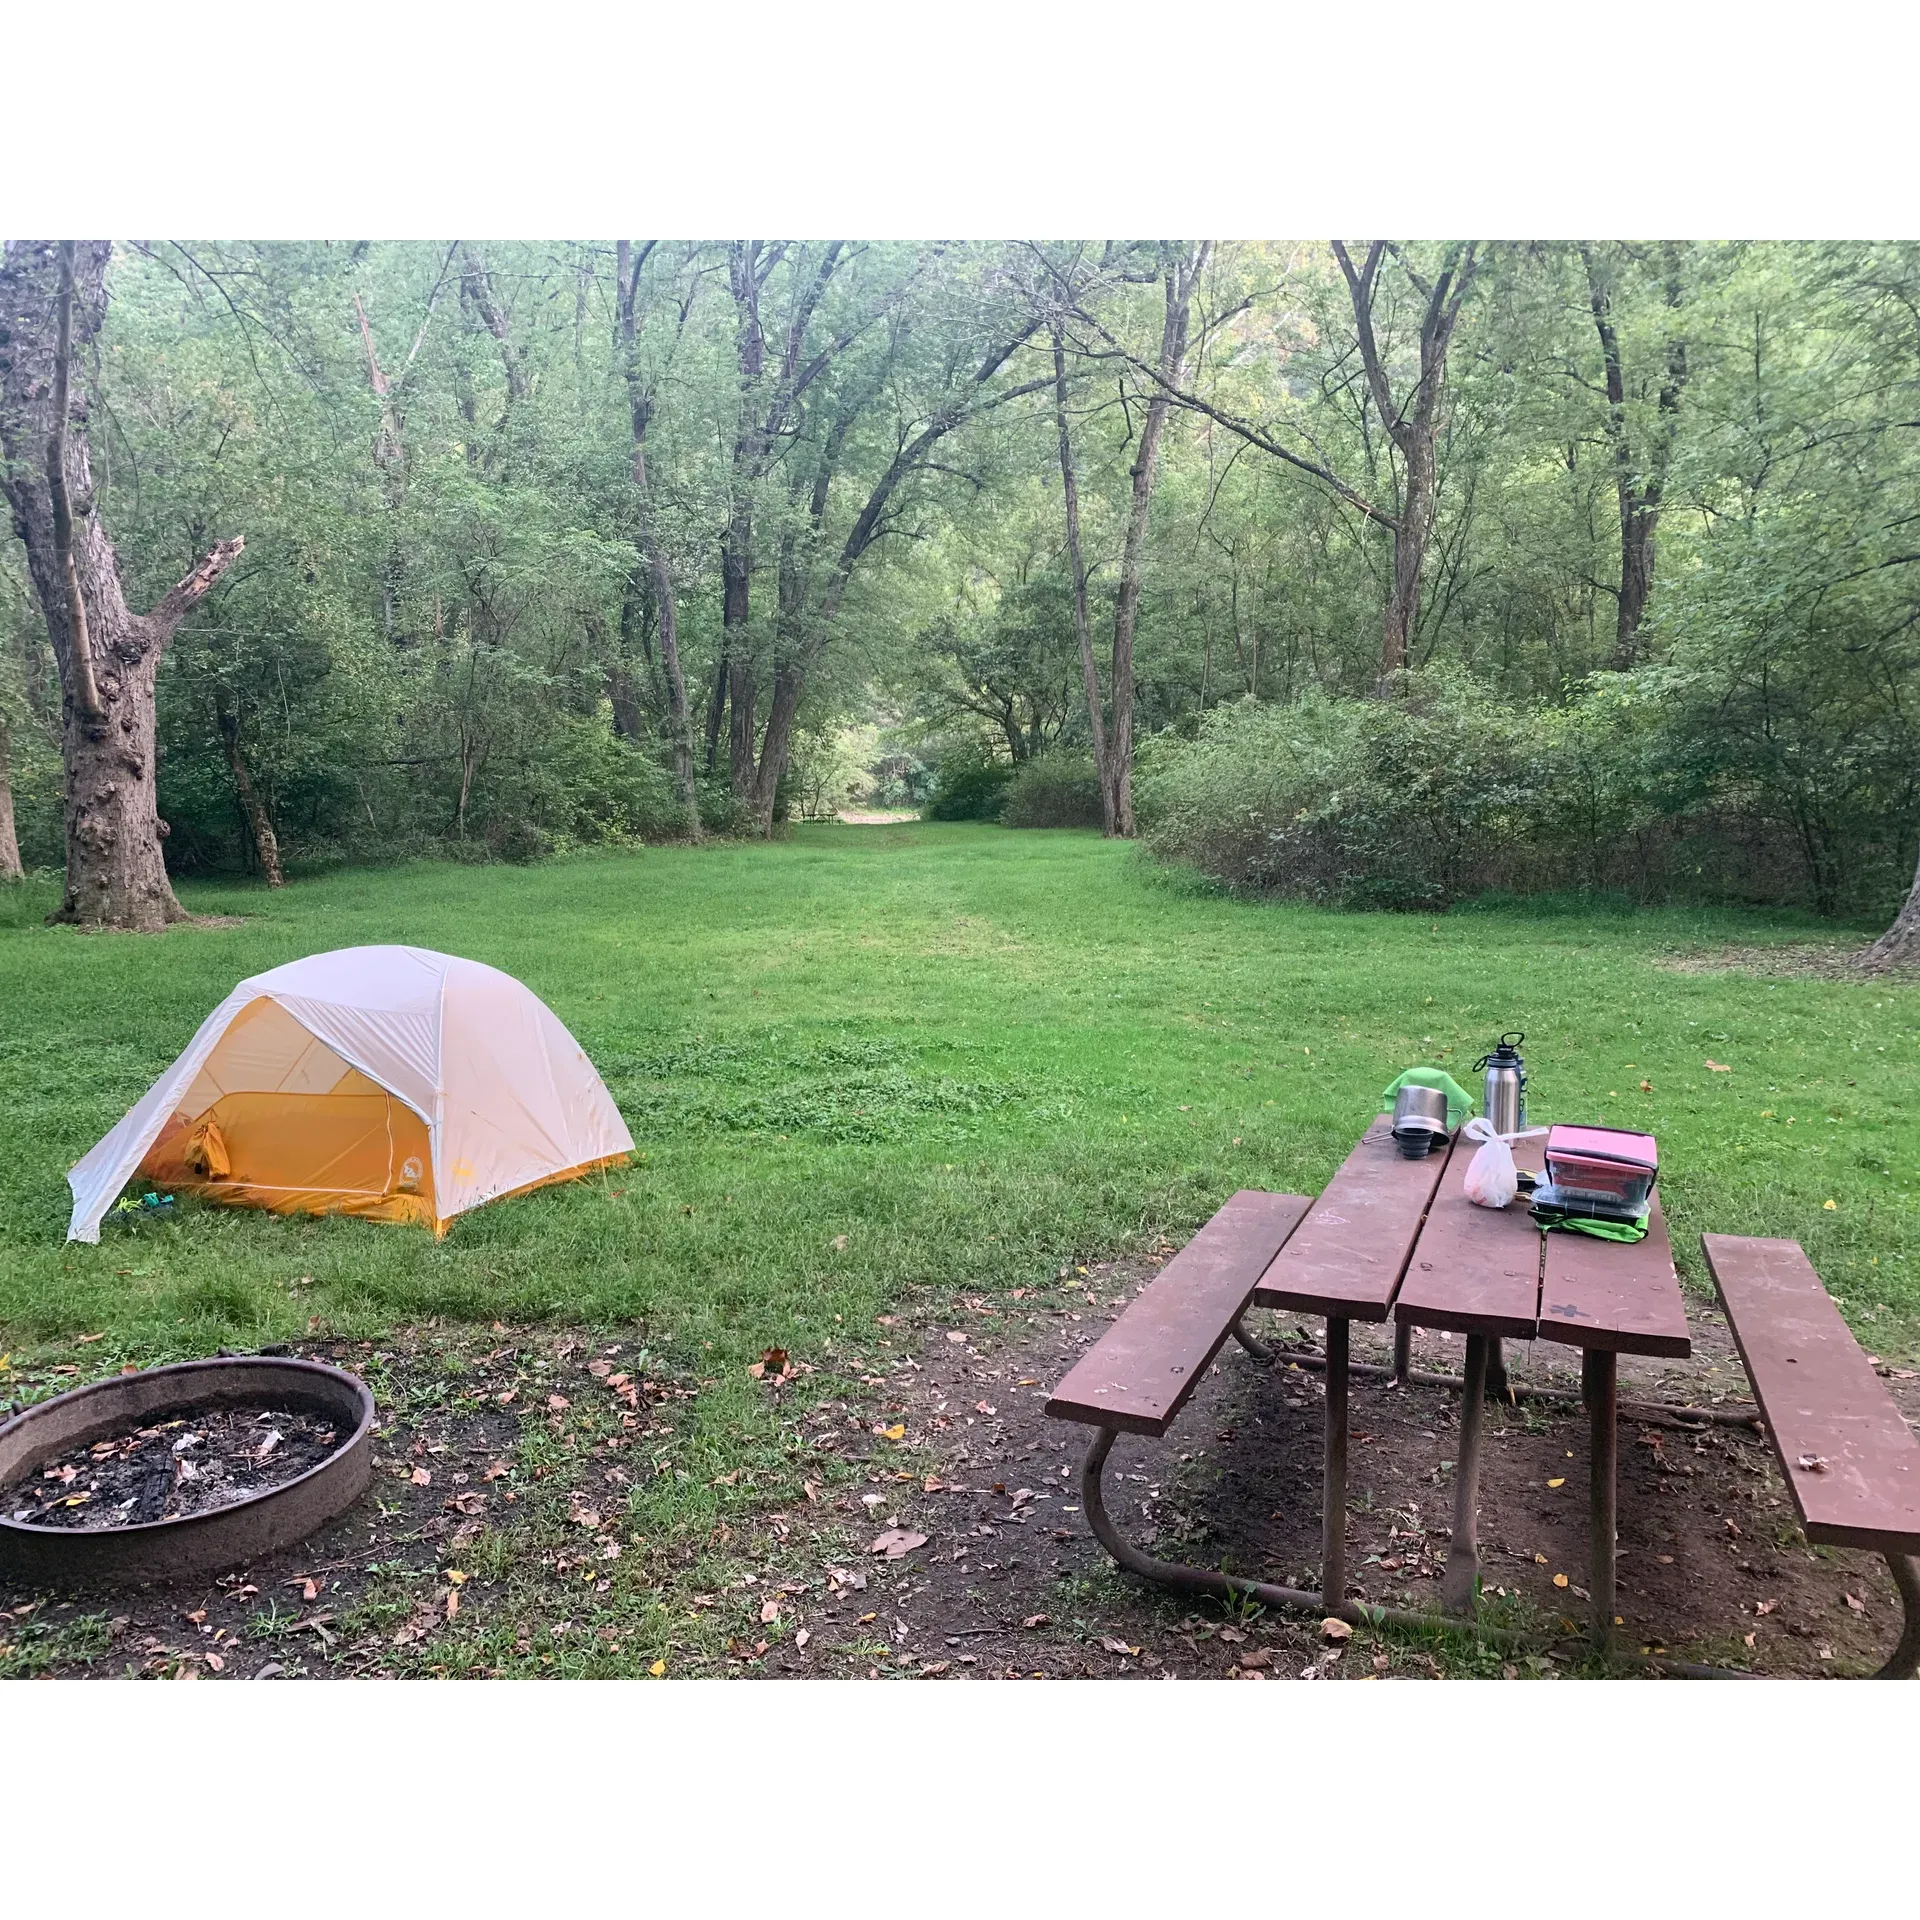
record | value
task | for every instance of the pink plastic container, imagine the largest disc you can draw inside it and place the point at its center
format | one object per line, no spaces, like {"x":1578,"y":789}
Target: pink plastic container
{"x":1604,"y":1160}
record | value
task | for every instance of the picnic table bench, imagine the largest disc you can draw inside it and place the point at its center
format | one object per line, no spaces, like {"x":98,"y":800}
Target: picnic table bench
{"x":1851,"y":1462}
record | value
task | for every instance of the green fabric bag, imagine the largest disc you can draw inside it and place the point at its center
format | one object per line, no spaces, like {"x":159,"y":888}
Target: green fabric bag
{"x":1600,"y":1229}
{"x":1459,"y":1100}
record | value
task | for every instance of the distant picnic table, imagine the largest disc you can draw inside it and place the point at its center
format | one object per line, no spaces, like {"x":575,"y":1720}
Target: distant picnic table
{"x":1396,"y":1237}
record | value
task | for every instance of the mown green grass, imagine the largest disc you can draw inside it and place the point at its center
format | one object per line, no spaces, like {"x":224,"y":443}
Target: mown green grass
{"x":872,"y":1060}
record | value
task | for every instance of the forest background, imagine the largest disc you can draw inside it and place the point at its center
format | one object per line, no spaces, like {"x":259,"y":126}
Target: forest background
{"x":1415,"y":570}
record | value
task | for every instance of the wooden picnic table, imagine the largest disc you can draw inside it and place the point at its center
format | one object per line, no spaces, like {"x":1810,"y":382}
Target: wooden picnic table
{"x":1388,"y":1237}
{"x":1396,"y":1237}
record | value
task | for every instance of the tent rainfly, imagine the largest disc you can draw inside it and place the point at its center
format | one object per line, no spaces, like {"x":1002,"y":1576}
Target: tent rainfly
{"x":387,"y":1082}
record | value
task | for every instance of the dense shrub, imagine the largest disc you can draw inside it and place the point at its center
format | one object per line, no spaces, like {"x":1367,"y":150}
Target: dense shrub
{"x":1053,"y":790}
{"x":970,"y":789}
{"x":1445,"y":789}
{"x":1408,"y":802}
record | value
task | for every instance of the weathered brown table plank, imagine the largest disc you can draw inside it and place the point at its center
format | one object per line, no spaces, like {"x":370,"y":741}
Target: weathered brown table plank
{"x":1475,"y":1269}
{"x":1615,"y":1296}
{"x":1821,"y":1398}
{"x":1346,"y":1258}
{"x":1138,"y":1376}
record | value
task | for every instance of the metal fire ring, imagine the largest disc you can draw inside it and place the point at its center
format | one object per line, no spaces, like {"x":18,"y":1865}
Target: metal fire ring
{"x":199,"y":1542}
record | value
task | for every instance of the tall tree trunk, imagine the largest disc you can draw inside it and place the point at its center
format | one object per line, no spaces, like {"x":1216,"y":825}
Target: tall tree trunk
{"x":641,"y":403}
{"x":789,"y":683}
{"x":1413,"y":425}
{"x":736,"y":598}
{"x":716,"y":712}
{"x":116,"y":875}
{"x":1640,"y":475}
{"x":389,"y":457}
{"x":1180,"y":274}
{"x":266,"y":843}
{"x":10,"y":867}
{"x":1409,"y":553}
{"x":628,"y":721}
{"x":1082,"y":622}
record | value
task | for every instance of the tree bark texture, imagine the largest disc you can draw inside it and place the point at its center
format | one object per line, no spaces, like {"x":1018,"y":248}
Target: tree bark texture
{"x":641,"y":399}
{"x":10,"y":867}
{"x":1640,"y":473}
{"x":1898,"y":949}
{"x":1413,"y":425}
{"x":266,"y":843}
{"x":116,"y":874}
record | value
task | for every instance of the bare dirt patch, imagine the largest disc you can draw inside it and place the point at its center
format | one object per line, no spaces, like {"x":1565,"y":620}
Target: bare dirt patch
{"x":1801,"y":961}
{"x":1712,"y":1564}
{"x":554,"y":1503}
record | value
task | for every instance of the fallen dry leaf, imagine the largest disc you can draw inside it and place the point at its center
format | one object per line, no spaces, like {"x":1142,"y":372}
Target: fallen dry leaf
{"x":215,"y":1662}
{"x":87,"y":1339}
{"x":558,"y":1403}
{"x":894,"y":1432}
{"x":658,"y":1668}
{"x":934,"y":1670}
{"x":769,"y":1612}
{"x":1855,"y":1602}
{"x":1646,"y":1086}
{"x":896,"y":1543}
{"x":838,"y":1243}
{"x":585,"y":1517}
{"x":1714,"y":1066}
{"x":1035,"y":1620}
{"x":1257,"y":1659}
{"x":1559,"y":1579}
{"x":1561,"y":1482}
{"x":1334,"y":1629}
{"x":421,"y":1477}
{"x":495,"y":1469}
{"x":980,"y":1406}
{"x":1113,"y":1645}
{"x":506,"y":1399}
{"x":1232,"y":1635}
{"x":932,"y":1484}
{"x":599,"y":1368}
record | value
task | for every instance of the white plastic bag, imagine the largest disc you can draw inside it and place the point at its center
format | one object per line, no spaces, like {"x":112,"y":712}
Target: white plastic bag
{"x":1492,"y":1179}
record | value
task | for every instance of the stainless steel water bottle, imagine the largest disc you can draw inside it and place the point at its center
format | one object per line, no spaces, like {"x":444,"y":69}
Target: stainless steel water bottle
{"x":1505,"y":1095}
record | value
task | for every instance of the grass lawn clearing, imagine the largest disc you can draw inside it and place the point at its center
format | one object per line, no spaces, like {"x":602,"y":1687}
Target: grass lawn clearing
{"x":876,"y":1070}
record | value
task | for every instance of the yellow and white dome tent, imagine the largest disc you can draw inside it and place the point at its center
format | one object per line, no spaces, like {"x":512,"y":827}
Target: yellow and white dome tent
{"x":388,"y":1082}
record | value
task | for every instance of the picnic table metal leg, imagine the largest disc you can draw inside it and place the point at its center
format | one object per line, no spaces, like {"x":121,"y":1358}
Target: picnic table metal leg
{"x":1599,"y":1381}
{"x":1402,"y":1351}
{"x":1905,"y":1664}
{"x":1333,"y":1534}
{"x":1463,"y":1554}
